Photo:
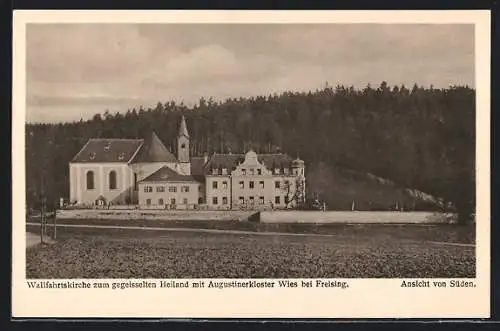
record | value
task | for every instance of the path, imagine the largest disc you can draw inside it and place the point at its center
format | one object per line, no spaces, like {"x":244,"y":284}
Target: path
{"x":217,"y":231}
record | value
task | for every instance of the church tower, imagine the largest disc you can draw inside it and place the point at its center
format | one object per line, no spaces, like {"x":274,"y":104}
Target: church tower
{"x":183,"y":148}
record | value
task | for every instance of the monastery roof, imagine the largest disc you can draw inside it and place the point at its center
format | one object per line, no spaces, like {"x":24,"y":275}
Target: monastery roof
{"x":153,"y":150}
{"x":104,"y":150}
{"x":230,"y":161}
{"x":166,"y":174}
{"x":197,"y":165}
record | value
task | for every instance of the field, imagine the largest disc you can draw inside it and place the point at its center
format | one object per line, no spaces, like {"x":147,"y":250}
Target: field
{"x":341,"y":251}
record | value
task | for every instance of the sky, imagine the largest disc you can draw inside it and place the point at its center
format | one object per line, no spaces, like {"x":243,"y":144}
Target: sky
{"x":74,"y":71}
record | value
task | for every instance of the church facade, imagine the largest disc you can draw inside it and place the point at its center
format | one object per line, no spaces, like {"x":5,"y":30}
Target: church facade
{"x":144,"y":172}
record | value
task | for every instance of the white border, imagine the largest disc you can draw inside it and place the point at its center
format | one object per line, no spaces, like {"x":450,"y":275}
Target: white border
{"x":367,"y":298}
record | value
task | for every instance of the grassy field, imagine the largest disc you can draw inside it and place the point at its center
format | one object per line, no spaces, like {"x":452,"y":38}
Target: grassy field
{"x":369,"y":251}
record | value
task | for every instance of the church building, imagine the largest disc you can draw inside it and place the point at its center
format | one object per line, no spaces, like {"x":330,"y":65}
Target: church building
{"x":144,"y":172}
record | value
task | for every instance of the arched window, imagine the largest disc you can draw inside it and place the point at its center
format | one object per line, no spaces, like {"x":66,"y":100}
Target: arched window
{"x":90,"y":180}
{"x":112,"y":180}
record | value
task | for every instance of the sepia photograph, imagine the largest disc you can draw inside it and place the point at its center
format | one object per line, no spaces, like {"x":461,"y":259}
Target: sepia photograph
{"x":250,"y":151}
{"x":228,"y":154}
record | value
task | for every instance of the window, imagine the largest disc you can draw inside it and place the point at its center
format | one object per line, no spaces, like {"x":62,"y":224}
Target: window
{"x":172,"y":201}
{"x":251,"y":184}
{"x":214,"y":185}
{"x":215,"y":171}
{"x":287,"y":183}
{"x":277,"y":184}
{"x":183,"y":146}
{"x":112,"y":180}
{"x":90,"y":180}
{"x":287,"y":171}
{"x":215,"y":201}
{"x":224,"y":200}
{"x":160,"y":189}
{"x":277,"y":200}
{"x":135,"y":181}
{"x":242,"y":184}
{"x":185,"y":201}
{"x":259,"y":171}
{"x":172,"y":189}
{"x":261,"y":184}
{"x":121,"y":156}
{"x":148,"y":202}
{"x":224,"y":171}
{"x":242,"y":200}
{"x":148,"y":189}
{"x":252,"y":200}
{"x":252,"y":171}
{"x":160,"y":202}
{"x":224,"y":185}
{"x":261,"y":200}
{"x":277,"y":171}
{"x":243,"y":172}
{"x":185,"y":189}
{"x":92,"y":155}
{"x":200,"y":201}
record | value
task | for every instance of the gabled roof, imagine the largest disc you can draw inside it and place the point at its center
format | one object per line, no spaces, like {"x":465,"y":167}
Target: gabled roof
{"x":165,"y":174}
{"x":197,"y":165}
{"x":108,"y":150}
{"x":153,"y":150}
{"x":272,"y":161}
{"x":230,"y":161}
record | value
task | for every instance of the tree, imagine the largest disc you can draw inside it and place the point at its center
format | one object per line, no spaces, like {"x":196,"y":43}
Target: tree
{"x":294,"y":192}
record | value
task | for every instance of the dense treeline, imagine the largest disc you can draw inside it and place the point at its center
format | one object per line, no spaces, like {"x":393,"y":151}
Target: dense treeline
{"x":422,"y":138}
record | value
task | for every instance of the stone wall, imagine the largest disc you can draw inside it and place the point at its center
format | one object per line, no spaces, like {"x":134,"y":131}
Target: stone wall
{"x":354,"y":217}
{"x":137,"y":214}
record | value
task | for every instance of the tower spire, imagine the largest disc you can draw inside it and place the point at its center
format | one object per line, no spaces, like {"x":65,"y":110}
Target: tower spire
{"x":183,"y":148}
{"x":183,"y":128}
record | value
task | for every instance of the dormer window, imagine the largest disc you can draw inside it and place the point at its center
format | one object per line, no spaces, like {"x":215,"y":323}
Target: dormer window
{"x":215,"y":171}
{"x":286,"y":171}
{"x":277,"y":171}
{"x":121,"y":156}
{"x":259,"y":171}
{"x":224,"y":171}
{"x":107,"y":147}
{"x":92,"y":155}
{"x":243,"y":172}
{"x":252,"y":171}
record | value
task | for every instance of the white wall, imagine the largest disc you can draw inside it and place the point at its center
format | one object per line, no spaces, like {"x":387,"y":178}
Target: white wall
{"x":356,"y":217}
{"x":78,"y":182}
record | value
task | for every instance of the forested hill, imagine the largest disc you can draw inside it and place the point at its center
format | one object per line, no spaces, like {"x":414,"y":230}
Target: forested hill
{"x":421,"y":138}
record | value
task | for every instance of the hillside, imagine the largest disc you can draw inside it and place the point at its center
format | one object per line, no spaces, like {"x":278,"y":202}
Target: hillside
{"x":340,"y":187}
{"x":418,"y":138}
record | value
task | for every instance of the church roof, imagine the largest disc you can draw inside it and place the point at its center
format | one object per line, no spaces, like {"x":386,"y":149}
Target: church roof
{"x":166,"y":174}
{"x":183,"y":128}
{"x":104,"y":150}
{"x":153,"y":150}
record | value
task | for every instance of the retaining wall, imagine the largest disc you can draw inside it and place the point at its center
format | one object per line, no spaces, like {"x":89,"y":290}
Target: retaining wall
{"x":137,"y":214}
{"x":354,"y":217}
{"x":318,"y":217}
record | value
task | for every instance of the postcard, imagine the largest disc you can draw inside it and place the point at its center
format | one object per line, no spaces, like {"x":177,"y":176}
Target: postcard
{"x":251,"y":164}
